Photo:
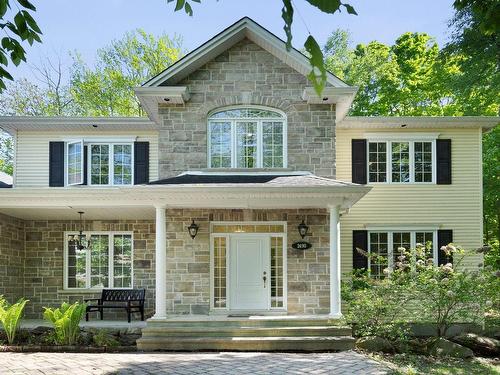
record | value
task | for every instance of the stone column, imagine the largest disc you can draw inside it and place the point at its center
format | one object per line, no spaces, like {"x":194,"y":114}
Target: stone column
{"x":334,"y":262}
{"x":161,"y":264}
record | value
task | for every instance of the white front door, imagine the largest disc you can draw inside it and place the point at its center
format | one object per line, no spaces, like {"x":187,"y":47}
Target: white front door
{"x":250,"y":274}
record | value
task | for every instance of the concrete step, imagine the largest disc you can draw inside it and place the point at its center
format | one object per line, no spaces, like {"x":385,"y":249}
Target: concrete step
{"x":243,"y":331}
{"x":234,"y":322}
{"x":308,"y":344}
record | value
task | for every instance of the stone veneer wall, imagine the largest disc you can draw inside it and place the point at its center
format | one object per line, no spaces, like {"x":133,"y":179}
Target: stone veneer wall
{"x":246,"y":74}
{"x":37,"y":272}
{"x":43,"y":278}
{"x":188,"y":260}
{"x":11,"y":258}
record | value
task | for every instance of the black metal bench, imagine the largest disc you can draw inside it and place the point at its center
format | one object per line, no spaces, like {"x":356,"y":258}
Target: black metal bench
{"x":132,"y":300}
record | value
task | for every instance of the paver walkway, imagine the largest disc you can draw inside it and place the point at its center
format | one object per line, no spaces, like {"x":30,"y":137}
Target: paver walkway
{"x":189,"y":363}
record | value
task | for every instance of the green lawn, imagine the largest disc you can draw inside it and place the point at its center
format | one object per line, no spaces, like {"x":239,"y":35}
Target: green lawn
{"x":415,"y":364}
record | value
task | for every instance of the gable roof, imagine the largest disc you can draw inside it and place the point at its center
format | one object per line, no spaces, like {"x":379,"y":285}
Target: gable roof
{"x":244,"y":28}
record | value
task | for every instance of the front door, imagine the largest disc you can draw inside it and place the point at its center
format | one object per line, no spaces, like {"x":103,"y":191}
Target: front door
{"x":249,"y":272}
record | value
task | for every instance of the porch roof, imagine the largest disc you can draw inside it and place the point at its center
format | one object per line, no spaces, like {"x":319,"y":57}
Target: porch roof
{"x":137,"y":202}
{"x":227,"y":180}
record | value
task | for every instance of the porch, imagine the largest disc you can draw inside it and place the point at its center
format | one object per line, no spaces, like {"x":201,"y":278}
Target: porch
{"x":179,"y":272}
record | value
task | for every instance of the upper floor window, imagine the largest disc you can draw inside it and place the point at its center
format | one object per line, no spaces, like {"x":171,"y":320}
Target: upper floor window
{"x":402,"y":161}
{"x":108,"y":163}
{"x":247,"y":138}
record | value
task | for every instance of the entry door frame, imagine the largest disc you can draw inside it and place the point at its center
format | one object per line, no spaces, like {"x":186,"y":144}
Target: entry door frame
{"x":228,"y":237}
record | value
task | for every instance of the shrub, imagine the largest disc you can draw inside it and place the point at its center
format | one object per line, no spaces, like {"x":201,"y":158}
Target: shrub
{"x":375,"y":307}
{"x":103,"y":338}
{"x":66,"y":320}
{"x":11,"y":316}
{"x":415,"y":289}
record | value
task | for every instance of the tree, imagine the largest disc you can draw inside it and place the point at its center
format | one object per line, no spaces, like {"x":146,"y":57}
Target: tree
{"x":19,"y":28}
{"x":407,"y":78}
{"x":317,"y":76}
{"x":475,"y":45}
{"x":107,"y":89}
{"x":6,"y":154}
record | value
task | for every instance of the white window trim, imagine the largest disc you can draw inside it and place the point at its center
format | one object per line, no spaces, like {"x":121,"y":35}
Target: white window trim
{"x":66,"y":163}
{"x":111,"y":163}
{"x":227,"y":236}
{"x":390,"y":243}
{"x":87,"y":263}
{"x":259,"y":121}
{"x":411,"y":141}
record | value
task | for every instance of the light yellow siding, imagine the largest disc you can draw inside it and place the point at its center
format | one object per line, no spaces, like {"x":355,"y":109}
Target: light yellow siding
{"x":32,"y":153}
{"x":457,"y":206}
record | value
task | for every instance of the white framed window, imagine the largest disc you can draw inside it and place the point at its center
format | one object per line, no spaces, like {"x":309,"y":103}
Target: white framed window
{"x":110,"y":163}
{"x":383,"y":247}
{"x":106,"y":263}
{"x":74,"y":163}
{"x":402,"y":161}
{"x":247,"y":137}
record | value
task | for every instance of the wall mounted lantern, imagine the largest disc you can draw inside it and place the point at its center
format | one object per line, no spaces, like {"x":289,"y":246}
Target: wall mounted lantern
{"x":193,"y":229}
{"x":303,"y":229}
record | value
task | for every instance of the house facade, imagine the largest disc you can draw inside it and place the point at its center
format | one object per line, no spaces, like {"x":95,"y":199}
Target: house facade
{"x":239,"y":148}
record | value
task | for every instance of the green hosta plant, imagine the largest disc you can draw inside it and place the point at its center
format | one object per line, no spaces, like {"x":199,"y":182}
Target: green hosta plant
{"x":66,"y":320}
{"x":10,"y":317}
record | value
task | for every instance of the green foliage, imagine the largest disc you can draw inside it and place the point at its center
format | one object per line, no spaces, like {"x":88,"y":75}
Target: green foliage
{"x":107,"y":89}
{"x":491,"y":194}
{"x":10,"y":317}
{"x":475,"y":46}
{"x":21,"y":27}
{"x":66,"y":320}
{"x":102,"y":338}
{"x":375,"y":307}
{"x":6,"y":153}
{"x":417,"y":290}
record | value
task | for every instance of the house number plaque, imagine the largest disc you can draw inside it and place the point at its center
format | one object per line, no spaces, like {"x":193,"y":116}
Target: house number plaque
{"x":301,"y":245}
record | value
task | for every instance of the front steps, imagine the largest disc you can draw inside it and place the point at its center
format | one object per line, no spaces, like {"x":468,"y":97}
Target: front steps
{"x":245,"y":334}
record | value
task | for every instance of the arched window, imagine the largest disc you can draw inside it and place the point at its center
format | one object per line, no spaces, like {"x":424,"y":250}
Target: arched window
{"x":247,"y":137}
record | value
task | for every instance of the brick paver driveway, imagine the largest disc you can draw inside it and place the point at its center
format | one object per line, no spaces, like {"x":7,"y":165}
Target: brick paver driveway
{"x":197,"y":363}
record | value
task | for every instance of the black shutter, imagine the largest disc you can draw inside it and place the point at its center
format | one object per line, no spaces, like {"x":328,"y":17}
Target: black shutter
{"x":443,"y":157}
{"x":141,"y":163}
{"x":56,"y":163}
{"x":85,"y":164}
{"x":358,"y":161}
{"x":445,"y":236}
{"x":359,"y":240}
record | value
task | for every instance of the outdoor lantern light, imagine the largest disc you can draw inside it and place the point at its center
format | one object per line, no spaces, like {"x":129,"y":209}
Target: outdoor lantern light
{"x":81,"y":239}
{"x":193,"y":229}
{"x":303,"y":229}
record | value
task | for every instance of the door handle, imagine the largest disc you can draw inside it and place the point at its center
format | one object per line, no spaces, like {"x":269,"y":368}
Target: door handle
{"x":264,"y":278}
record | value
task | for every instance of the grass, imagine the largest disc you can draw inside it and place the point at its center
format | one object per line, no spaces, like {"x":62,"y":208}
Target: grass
{"x":409,"y":364}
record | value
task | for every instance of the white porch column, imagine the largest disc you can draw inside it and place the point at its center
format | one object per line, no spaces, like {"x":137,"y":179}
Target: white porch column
{"x":161,"y":264}
{"x":334,"y":262}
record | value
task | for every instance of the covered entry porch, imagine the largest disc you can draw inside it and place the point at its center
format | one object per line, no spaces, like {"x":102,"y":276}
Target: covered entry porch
{"x":215,"y":273}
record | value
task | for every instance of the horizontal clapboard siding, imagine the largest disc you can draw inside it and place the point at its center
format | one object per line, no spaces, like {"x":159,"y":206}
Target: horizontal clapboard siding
{"x":32,"y":152}
{"x":457,"y":206}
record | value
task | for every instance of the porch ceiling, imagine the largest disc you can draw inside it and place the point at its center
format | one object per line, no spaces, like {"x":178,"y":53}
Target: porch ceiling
{"x":138,"y":202}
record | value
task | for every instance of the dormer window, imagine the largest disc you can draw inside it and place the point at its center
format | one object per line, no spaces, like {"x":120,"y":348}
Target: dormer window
{"x":249,"y":137}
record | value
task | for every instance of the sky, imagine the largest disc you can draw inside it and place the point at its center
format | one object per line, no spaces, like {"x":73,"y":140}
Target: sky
{"x":86,"y":25}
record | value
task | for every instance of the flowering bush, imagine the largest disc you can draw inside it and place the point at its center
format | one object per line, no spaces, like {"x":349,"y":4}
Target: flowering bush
{"x":415,"y":289}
